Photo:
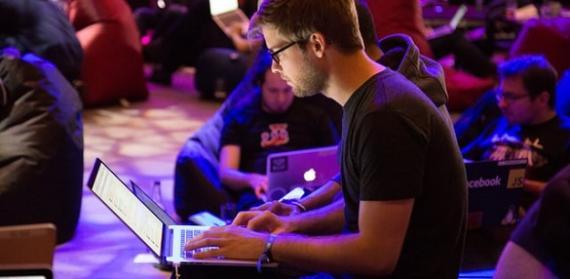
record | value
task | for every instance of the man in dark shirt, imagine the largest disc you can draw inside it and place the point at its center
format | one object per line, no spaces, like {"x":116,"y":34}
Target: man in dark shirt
{"x":529,"y":127}
{"x":274,"y":120}
{"x":402,"y":174}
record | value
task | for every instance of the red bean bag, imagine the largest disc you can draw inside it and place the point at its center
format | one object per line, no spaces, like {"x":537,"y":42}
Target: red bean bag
{"x":112,"y":67}
{"x":549,"y":37}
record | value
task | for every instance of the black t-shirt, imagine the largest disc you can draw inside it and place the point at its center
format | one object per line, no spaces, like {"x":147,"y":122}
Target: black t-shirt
{"x":546,"y":146}
{"x":396,"y":145}
{"x":259,"y":133}
{"x":545,"y":230}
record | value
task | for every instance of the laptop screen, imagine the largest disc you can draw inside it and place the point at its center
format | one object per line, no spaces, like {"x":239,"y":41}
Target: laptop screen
{"x":115,"y":194}
{"x":222,"y":6}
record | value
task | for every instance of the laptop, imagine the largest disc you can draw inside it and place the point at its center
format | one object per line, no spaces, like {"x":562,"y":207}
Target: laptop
{"x":307,"y":168}
{"x":451,"y":26}
{"x":226,"y":14}
{"x":495,"y":188}
{"x":27,"y":251}
{"x":154,"y":227}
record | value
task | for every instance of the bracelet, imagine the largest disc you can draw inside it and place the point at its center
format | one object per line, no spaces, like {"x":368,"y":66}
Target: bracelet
{"x":296,"y":203}
{"x":266,"y":257}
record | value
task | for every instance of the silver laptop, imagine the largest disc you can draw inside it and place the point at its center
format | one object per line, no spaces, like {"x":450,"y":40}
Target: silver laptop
{"x":226,"y":14}
{"x":149,"y":223}
{"x":495,"y":188}
{"x":307,"y":168}
{"x":452,"y":25}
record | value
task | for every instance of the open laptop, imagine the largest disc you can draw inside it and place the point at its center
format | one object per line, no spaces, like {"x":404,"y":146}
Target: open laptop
{"x":307,"y":168}
{"x":495,"y":188}
{"x":149,"y":223}
{"x":226,"y":14}
{"x":451,"y":26}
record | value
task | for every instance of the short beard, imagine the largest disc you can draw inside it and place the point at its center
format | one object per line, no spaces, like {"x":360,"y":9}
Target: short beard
{"x":313,"y":80}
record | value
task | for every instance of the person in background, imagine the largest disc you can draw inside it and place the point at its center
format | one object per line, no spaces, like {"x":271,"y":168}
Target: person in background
{"x":273,"y":120}
{"x":529,"y":127}
{"x":540,"y":245}
{"x":41,"y":27}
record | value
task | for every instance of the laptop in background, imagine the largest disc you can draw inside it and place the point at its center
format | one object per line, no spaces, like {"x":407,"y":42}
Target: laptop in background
{"x":495,"y":188}
{"x":26,"y":251}
{"x":451,"y":26}
{"x":149,"y":223}
{"x":226,"y":14}
{"x":307,"y":168}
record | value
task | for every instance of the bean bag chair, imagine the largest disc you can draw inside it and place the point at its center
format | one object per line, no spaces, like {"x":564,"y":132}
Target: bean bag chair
{"x":547,"y":36}
{"x":112,"y":67}
{"x":41,"y":146}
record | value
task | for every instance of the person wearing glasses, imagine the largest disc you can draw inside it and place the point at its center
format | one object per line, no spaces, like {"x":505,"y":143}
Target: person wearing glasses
{"x":529,"y":126}
{"x":272,"y":120}
{"x":403,"y":210}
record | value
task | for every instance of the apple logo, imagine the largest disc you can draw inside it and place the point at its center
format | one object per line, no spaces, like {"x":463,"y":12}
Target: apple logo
{"x":310,"y":175}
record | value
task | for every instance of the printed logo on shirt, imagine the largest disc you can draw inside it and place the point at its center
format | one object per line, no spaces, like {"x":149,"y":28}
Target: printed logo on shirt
{"x":276,"y":136}
{"x":507,"y":147}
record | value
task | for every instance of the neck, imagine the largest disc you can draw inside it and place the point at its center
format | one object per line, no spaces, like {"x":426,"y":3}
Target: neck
{"x":374,"y":52}
{"x":348,"y":73}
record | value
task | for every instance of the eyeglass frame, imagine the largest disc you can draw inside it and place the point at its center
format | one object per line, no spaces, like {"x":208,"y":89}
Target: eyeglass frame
{"x":499,"y":95}
{"x":274,"y":54}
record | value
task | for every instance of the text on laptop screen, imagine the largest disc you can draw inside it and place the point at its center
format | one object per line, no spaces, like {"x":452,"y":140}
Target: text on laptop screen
{"x":222,"y":6}
{"x":128,"y":208}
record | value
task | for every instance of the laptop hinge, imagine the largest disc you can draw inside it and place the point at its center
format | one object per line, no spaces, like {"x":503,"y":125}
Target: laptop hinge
{"x":167,"y":243}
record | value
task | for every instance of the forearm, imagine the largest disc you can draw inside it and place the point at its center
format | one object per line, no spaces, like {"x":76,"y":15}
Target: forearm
{"x":344,"y":253}
{"x":325,"y":220}
{"x":235,"y":179}
{"x":534,"y":186}
{"x":324,"y":195}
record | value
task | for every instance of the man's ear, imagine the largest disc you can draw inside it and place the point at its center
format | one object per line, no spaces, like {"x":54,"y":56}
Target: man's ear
{"x":317,"y":44}
{"x":544,"y":98}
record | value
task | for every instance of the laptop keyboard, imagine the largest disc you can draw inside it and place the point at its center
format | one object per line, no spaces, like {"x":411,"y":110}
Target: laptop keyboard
{"x":186,"y":235}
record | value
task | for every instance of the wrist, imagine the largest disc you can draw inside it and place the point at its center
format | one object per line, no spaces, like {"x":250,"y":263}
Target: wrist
{"x":300,"y":206}
{"x":266,"y":257}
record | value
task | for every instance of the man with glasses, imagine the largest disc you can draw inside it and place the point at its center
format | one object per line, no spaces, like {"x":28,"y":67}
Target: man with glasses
{"x":529,"y":126}
{"x":404,"y":189}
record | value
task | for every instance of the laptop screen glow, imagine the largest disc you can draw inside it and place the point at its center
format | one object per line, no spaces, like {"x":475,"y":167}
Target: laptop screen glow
{"x":222,"y":6}
{"x":128,"y":208}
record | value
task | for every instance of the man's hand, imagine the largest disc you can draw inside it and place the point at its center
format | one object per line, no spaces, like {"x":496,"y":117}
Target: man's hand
{"x":279,"y":208}
{"x":263,"y":221}
{"x":258,"y":183}
{"x":233,"y":242}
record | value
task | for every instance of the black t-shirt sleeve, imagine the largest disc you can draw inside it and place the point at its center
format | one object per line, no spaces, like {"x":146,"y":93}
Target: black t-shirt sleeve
{"x":392,"y":152}
{"x":232,"y":131}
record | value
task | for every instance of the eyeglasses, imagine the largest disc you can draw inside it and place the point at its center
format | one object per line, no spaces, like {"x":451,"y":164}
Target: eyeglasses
{"x":275,"y":54}
{"x":508,"y":97}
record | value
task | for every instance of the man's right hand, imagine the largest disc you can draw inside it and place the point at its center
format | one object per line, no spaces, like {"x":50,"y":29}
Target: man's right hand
{"x":279,"y":208}
{"x":263,"y":221}
{"x":258,"y":183}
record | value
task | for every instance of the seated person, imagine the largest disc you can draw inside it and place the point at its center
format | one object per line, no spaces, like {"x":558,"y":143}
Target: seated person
{"x":272,"y":121}
{"x":191,"y":34}
{"x":529,"y":127}
{"x":540,"y":245}
{"x":41,"y":28}
{"x":399,"y":53}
